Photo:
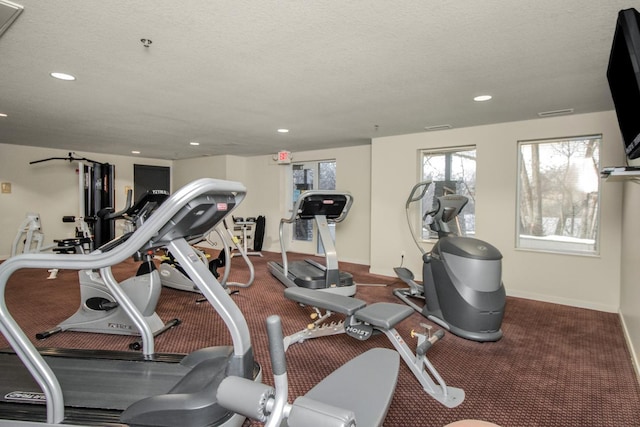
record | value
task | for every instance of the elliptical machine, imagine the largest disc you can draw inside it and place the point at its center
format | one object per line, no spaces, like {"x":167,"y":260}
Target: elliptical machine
{"x":462,"y":276}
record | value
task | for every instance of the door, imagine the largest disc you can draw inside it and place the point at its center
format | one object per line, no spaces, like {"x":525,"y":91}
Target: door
{"x":146,"y":177}
{"x":317,"y":175}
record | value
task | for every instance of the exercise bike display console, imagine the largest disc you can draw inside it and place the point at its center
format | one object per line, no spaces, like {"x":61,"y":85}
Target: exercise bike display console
{"x":325,"y":207}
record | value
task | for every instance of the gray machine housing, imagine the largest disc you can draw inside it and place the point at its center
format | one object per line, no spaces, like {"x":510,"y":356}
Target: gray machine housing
{"x":462,"y":276}
{"x":463,"y":287}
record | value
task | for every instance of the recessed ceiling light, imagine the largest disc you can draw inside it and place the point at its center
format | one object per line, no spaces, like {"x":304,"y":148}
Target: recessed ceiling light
{"x":481,"y":98}
{"x":3,"y":115}
{"x":194,"y":143}
{"x":283,"y":130}
{"x":63,"y":76}
{"x":135,"y":152}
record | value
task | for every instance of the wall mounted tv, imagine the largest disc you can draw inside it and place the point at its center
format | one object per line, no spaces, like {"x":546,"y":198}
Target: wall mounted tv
{"x":623,"y":75}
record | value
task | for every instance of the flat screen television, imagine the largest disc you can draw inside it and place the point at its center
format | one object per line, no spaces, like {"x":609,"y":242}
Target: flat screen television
{"x":623,"y":75}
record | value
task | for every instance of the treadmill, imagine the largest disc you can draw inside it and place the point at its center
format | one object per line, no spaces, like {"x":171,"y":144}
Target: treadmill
{"x":325,"y":207}
{"x":80,"y":387}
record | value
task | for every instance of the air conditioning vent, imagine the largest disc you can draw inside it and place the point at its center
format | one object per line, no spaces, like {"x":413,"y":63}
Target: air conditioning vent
{"x":437,"y":127}
{"x":556,"y":112}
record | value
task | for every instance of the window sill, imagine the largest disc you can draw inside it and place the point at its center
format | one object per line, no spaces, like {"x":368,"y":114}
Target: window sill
{"x":622,"y":173}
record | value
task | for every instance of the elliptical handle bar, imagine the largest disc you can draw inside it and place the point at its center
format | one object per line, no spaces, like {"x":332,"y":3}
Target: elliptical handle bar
{"x":422,"y":186}
{"x":417,"y":193}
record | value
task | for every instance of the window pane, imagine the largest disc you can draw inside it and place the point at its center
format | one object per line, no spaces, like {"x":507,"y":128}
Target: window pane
{"x":327,"y":175}
{"x":302,"y":180}
{"x":559,"y":194}
{"x":452,"y":172}
{"x":327,"y":181}
{"x":310,"y":176}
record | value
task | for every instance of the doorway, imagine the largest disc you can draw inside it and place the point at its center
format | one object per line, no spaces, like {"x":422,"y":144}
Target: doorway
{"x":146,"y":177}
{"x":316,"y":175}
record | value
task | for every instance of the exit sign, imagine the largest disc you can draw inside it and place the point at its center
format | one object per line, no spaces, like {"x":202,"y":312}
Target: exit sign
{"x":284,"y":157}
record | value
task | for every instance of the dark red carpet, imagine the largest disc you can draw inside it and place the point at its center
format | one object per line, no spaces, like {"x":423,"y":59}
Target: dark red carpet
{"x":556,"y":366}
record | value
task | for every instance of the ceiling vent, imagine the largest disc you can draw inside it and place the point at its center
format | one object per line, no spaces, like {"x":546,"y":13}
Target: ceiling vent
{"x":556,"y":113}
{"x":437,"y":127}
{"x":8,"y":13}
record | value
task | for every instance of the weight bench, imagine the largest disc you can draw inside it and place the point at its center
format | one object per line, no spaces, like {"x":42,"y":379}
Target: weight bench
{"x":361,"y":320}
{"x":349,"y":395}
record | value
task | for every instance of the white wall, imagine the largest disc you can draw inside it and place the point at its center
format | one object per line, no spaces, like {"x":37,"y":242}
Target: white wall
{"x":267,"y":187}
{"x":266,"y":190}
{"x":185,"y":171}
{"x":584,"y":281}
{"x":630,"y":280}
{"x":51,"y":189}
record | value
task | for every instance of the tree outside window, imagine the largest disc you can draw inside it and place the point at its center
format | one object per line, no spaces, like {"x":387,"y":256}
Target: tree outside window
{"x":452,"y":171}
{"x":559,"y":195}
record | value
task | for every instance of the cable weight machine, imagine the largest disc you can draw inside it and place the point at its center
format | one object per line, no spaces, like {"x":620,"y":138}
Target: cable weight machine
{"x":96,"y":196}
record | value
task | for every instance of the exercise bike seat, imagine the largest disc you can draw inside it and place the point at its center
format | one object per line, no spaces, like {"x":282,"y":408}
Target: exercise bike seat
{"x":72,"y":245}
{"x":329,"y":301}
{"x":384,"y":315}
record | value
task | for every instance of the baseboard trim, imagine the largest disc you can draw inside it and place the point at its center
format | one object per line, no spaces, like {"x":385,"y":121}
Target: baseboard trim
{"x":382,"y":272}
{"x":563,"y":301}
{"x":354,"y":261}
{"x":533,"y":296}
{"x":627,"y":337}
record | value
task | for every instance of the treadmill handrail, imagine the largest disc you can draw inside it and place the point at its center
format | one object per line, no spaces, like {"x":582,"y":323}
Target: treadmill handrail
{"x":296,"y":211}
{"x":19,"y":341}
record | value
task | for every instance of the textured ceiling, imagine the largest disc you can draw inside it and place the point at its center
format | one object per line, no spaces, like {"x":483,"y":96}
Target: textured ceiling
{"x":227,"y":74}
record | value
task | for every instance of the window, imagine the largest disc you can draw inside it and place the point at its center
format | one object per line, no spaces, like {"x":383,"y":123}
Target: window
{"x":318,"y":175}
{"x":452,"y":171}
{"x":559,"y":195}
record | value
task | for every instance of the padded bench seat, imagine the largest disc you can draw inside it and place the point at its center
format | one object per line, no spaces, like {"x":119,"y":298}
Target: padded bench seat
{"x":381,"y":314}
{"x":384,"y":315}
{"x":329,"y":301}
{"x":364,"y":385}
